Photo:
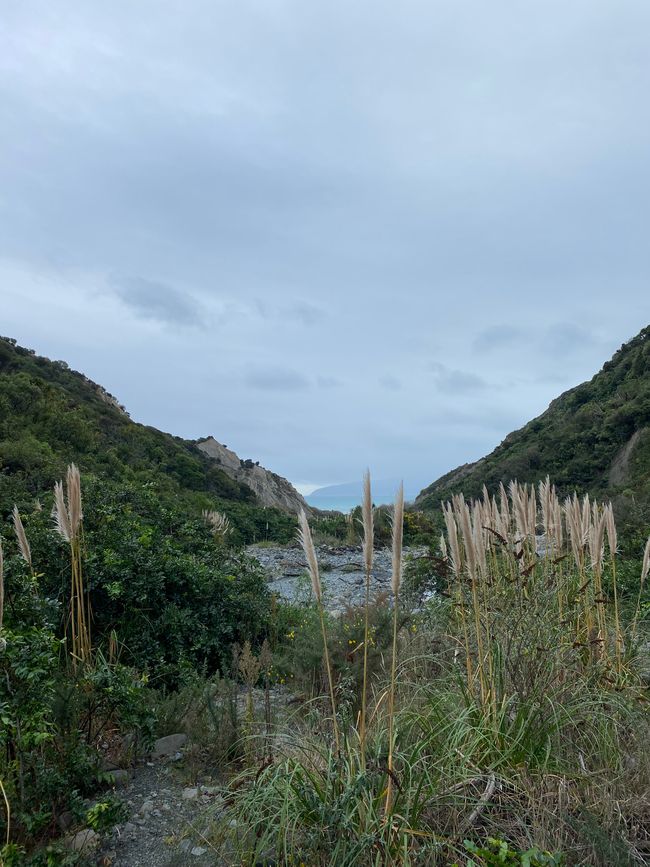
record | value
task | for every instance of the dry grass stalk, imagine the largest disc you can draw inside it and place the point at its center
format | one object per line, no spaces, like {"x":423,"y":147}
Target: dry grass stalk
{"x":305,"y":537}
{"x":23,"y":544}
{"x":368,"y":553}
{"x":68,"y":517}
{"x":396,"y":579}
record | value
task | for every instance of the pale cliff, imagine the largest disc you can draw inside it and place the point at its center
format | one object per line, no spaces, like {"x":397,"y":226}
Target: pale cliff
{"x":271,"y":489}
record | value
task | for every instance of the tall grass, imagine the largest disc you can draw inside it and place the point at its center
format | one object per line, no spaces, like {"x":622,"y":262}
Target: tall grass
{"x":516,"y":711}
{"x":68,"y":518}
{"x":312,"y":564}
{"x":368,"y":550}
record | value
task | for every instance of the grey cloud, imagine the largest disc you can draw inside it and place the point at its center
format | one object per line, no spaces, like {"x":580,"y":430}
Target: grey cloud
{"x":152,"y":300}
{"x":390,"y":383}
{"x":276,"y":379}
{"x":497,"y":337}
{"x":328,"y":382}
{"x":565,"y":339}
{"x":305,"y":313}
{"x":451,"y":381}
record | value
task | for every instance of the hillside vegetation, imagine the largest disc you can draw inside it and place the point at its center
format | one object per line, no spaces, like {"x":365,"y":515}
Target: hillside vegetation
{"x":51,"y":415}
{"x":593,"y":438}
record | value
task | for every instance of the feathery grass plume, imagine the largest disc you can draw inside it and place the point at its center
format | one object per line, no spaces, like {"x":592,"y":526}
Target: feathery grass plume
{"x":368,"y":553}
{"x":60,"y":513}
{"x":23,"y":544}
{"x":612,"y":544}
{"x":573,"y":515}
{"x":218,"y":523}
{"x":470,"y":561}
{"x":531,"y":513}
{"x":645,"y":568}
{"x":68,"y":517}
{"x":596,"y":538}
{"x":443,"y":547}
{"x":557,"y":522}
{"x":612,"y":535}
{"x":546,"y":506}
{"x":307,"y":543}
{"x":396,"y":580}
{"x":586,"y":518}
{"x":74,"y":499}
{"x":368,"y":528}
{"x":452,"y":536}
{"x":596,"y":543}
{"x":504,"y":508}
{"x":457,"y":569}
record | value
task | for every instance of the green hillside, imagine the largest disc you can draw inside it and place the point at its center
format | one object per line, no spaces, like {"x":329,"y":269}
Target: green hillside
{"x":51,"y":415}
{"x":595,"y":437}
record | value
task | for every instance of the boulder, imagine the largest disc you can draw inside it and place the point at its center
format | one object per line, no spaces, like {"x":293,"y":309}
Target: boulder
{"x":169,"y":746}
{"x":83,"y":842}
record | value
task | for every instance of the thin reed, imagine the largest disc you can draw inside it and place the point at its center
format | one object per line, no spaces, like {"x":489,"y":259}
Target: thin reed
{"x":368,"y":551}
{"x":68,"y":518}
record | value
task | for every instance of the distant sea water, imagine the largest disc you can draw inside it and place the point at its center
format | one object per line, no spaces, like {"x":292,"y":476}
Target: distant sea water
{"x":341,"y":504}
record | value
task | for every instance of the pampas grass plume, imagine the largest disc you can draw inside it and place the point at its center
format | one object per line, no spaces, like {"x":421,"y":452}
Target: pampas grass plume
{"x":368,"y":524}
{"x":23,"y":544}
{"x":398,"y":534}
{"x":304,"y":535}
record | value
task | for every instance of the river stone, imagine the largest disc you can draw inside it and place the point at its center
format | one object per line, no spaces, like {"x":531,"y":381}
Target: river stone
{"x":84,"y":842}
{"x":119,"y":777}
{"x":169,"y":746}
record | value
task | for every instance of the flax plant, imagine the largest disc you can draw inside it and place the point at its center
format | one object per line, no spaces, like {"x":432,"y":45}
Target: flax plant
{"x":368,"y":550}
{"x":68,"y":517}
{"x":307,"y":543}
{"x":396,"y":579}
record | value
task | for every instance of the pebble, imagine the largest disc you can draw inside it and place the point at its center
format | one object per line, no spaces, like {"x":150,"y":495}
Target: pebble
{"x":190,"y":794}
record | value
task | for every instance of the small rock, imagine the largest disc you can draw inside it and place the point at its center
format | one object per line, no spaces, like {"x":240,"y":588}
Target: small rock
{"x":84,"y":842}
{"x":169,"y":745}
{"x":190,"y":794}
{"x":119,"y":777}
{"x":65,"y":820}
{"x":147,"y":807}
{"x":185,"y":845}
{"x":198,"y":850}
{"x":129,"y":828}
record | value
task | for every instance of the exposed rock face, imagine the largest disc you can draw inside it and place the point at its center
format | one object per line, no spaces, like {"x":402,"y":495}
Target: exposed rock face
{"x":271,"y":489}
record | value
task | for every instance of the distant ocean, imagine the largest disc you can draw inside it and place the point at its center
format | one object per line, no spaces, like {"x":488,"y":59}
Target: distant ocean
{"x":341,"y":504}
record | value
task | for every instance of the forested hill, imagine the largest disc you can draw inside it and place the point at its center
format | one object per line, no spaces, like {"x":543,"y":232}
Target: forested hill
{"x":51,"y":415}
{"x":595,"y":437}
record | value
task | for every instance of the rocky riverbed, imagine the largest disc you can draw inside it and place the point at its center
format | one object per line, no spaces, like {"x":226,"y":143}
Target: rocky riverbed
{"x":342,"y":572}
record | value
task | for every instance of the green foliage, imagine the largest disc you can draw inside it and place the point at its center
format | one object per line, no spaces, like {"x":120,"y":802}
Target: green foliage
{"x":494,"y":853}
{"x":51,"y":416}
{"x":107,"y":813}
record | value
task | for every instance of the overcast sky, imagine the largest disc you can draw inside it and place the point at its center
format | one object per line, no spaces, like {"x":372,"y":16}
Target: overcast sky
{"x":331,"y":234}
